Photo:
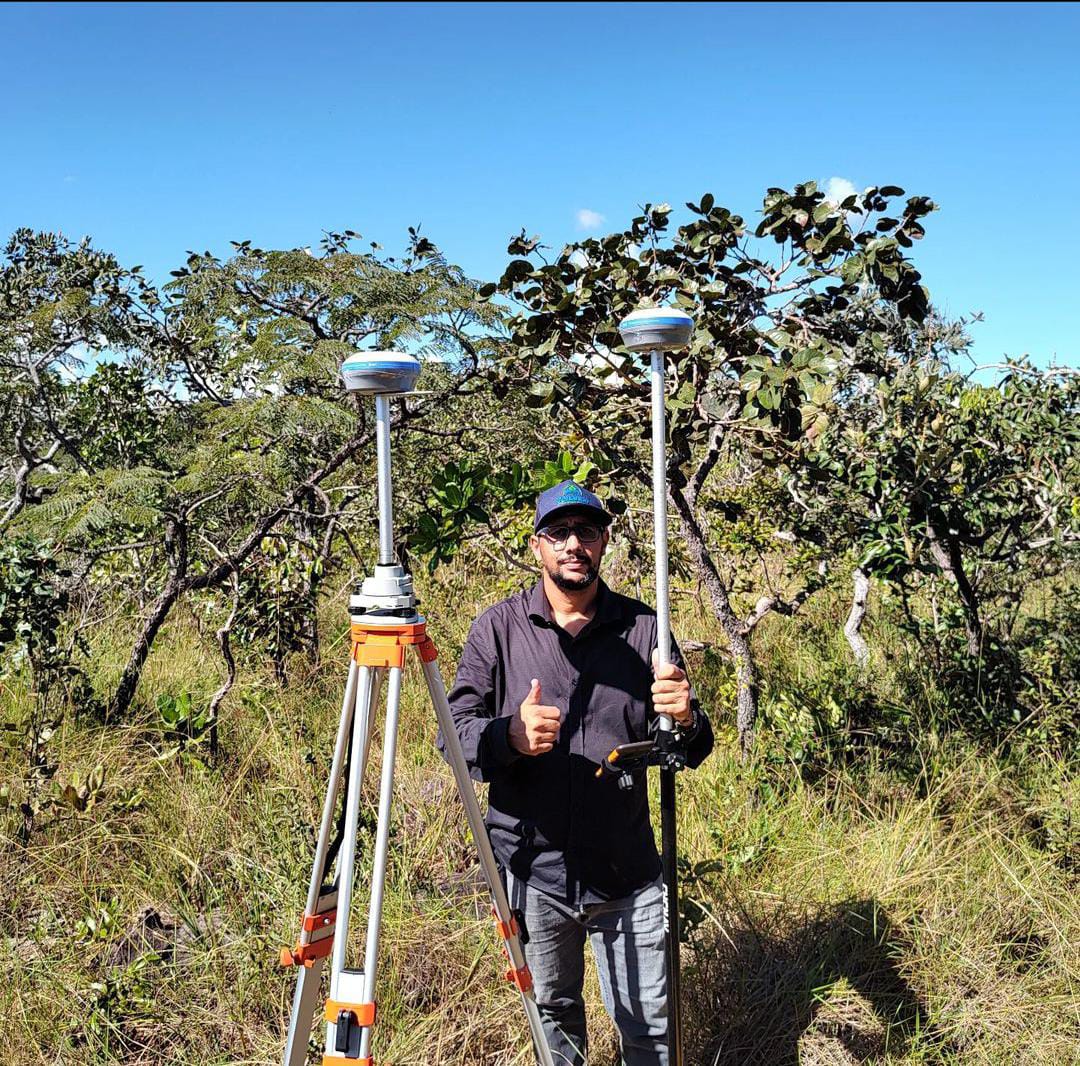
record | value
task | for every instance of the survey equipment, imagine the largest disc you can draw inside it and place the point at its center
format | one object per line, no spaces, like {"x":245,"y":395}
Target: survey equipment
{"x":385,"y":624}
{"x":658,"y":330}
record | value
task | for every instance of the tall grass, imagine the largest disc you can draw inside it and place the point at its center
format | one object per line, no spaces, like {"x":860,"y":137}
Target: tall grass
{"x":886,"y":910}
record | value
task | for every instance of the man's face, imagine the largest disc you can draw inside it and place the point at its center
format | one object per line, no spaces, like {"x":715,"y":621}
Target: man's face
{"x":570,"y":549}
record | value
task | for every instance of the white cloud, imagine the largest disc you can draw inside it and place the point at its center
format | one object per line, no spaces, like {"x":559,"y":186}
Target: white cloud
{"x":587,"y":219}
{"x":603,"y":364}
{"x":838,"y":189}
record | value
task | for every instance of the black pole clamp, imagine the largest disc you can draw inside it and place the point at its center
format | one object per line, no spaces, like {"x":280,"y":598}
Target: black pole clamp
{"x":666,"y":750}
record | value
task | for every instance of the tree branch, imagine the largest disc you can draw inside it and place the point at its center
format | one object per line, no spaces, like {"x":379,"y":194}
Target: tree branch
{"x":230,"y":663}
{"x":217,"y":574}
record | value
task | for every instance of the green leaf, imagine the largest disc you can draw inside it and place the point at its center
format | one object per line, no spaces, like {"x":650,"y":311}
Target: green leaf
{"x":541,"y":394}
{"x":852,"y":269}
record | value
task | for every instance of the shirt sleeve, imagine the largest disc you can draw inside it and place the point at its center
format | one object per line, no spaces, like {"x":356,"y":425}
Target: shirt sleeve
{"x":484,"y":736}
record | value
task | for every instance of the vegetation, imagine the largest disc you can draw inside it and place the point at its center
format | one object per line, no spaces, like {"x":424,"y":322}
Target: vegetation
{"x":875,"y":570}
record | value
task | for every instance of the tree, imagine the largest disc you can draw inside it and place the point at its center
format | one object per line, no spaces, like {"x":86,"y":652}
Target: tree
{"x":774,"y":336}
{"x":60,"y":305}
{"x":934,"y":473}
{"x":227,"y":424}
{"x":32,"y":604}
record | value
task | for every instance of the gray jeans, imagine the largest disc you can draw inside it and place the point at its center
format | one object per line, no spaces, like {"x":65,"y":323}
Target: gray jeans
{"x":627,"y":937}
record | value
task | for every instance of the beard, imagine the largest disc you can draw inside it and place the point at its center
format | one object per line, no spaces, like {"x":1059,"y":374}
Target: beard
{"x":577,"y":582}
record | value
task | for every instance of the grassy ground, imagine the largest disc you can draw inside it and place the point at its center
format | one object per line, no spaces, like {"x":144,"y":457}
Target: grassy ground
{"x":869,"y":912}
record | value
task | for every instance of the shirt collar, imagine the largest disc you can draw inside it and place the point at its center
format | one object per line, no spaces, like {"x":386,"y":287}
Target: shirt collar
{"x":608,"y":607}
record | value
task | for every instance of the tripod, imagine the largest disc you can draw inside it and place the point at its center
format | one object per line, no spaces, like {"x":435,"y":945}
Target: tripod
{"x":385,"y":624}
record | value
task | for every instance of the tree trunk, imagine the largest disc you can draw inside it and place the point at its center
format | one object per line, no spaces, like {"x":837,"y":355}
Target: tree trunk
{"x":746,"y":680}
{"x":129,"y":680}
{"x":853,"y":626}
{"x":947,"y":555}
{"x":176,"y":550}
{"x":738,"y":639}
{"x":230,"y":666}
{"x":307,"y":532}
{"x":180,"y":581}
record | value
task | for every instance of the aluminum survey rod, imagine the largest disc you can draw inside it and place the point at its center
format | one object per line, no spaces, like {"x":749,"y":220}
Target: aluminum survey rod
{"x":660,"y":533}
{"x":669,"y":844}
{"x":386,"y":491}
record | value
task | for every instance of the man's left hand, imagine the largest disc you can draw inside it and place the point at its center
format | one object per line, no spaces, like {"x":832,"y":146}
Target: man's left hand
{"x":671,"y":692}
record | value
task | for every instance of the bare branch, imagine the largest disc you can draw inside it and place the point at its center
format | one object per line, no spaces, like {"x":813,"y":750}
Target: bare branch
{"x":775,"y":603}
{"x":254,"y":293}
{"x":705,"y":467}
{"x":230,"y":664}
{"x":217,"y":574}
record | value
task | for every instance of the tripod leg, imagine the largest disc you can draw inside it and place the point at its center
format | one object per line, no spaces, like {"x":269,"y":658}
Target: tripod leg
{"x":378,"y":874}
{"x":347,"y":855}
{"x":319,"y":902}
{"x":368,"y":686}
{"x":519,"y":971}
{"x":378,"y":676}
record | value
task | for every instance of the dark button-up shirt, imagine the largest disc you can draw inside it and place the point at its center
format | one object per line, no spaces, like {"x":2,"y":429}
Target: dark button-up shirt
{"x":552,"y":822}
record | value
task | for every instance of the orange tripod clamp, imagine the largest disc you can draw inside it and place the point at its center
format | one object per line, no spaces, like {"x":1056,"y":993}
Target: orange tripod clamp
{"x":384,"y":646}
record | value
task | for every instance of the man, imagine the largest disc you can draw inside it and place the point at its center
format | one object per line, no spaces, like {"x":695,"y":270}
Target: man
{"x":550,"y":680}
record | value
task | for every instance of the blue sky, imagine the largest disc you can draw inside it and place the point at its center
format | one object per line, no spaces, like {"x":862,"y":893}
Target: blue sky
{"x":162,"y":128}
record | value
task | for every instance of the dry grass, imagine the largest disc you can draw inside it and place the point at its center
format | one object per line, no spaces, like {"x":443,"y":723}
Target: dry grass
{"x":871,"y":917}
{"x":890,"y":928}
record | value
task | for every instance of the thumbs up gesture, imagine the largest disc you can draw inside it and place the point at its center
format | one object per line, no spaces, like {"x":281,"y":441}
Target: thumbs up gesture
{"x":535,"y":728}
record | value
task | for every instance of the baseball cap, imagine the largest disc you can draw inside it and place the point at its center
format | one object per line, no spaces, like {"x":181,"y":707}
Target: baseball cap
{"x":565,"y":497}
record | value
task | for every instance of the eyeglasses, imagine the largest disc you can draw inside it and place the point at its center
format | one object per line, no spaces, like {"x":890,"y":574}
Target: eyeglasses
{"x":557,"y":536}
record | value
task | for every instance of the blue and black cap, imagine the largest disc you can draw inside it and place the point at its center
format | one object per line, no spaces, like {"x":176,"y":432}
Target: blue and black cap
{"x":566,"y":497}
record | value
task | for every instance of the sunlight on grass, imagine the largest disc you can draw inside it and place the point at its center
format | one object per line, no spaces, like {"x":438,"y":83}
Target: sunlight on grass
{"x":874,"y":912}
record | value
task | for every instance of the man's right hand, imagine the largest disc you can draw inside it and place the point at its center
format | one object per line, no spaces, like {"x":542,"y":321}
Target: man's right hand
{"x":535,"y":728}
